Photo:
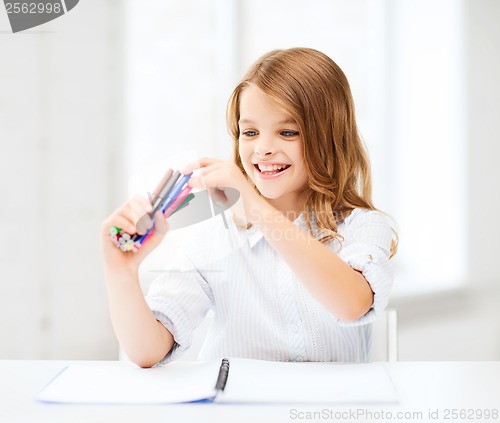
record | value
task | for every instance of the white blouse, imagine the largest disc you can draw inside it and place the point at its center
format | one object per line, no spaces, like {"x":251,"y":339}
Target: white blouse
{"x":261,"y":309}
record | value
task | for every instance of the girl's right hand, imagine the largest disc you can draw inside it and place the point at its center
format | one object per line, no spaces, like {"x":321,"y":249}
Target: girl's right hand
{"x":126,"y":218}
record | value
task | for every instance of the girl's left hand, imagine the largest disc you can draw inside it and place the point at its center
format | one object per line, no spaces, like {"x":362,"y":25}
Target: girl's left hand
{"x":216,"y":173}
{"x":219,"y":174}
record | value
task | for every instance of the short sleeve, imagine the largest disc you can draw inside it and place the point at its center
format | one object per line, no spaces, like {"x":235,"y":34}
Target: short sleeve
{"x":366,"y":247}
{"x":179,"y":299}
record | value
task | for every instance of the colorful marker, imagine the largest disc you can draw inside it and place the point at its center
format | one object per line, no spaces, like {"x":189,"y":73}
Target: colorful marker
{"x":171,"y":196}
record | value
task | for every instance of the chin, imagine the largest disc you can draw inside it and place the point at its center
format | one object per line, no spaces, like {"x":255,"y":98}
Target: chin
{"x":269,"y":193}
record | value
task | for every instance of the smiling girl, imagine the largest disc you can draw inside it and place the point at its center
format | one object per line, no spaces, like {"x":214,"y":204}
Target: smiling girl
{"x":312,"y":272}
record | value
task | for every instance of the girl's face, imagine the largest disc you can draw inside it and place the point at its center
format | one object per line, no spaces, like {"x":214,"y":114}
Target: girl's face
{"x":270,"y":148}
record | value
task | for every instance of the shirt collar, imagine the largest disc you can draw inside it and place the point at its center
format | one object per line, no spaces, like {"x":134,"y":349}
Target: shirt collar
{"x":254,"y":236}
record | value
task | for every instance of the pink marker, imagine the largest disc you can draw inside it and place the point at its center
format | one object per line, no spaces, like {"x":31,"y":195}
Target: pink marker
{"x":177,"y":202}
{"x":170,"y":209}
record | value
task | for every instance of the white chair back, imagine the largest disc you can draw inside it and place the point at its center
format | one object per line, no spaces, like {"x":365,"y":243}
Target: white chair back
{"x":385,"y":337}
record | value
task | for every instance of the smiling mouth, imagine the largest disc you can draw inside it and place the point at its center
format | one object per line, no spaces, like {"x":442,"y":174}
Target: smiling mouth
{"x":271,"y":170}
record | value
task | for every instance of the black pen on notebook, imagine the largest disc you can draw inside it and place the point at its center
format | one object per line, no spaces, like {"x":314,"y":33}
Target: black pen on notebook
{"x":220,"y":385}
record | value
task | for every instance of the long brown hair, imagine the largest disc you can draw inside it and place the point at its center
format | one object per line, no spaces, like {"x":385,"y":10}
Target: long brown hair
{"x":312,"y":88}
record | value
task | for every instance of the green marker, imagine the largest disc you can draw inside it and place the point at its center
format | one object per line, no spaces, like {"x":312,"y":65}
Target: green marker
{"x":184,"y":203}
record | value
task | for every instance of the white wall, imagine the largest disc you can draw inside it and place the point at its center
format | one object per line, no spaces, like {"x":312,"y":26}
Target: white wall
{"x":426,"y":126}
{"x":483,"y":52}
{"x":465,"y":324}
{"x":61,"y":130}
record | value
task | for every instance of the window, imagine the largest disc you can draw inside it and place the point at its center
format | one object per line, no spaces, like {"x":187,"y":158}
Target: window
{"x":406,"y":69}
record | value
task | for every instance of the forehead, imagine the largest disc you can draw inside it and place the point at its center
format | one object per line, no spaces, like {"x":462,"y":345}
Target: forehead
{"x":255,"y":105}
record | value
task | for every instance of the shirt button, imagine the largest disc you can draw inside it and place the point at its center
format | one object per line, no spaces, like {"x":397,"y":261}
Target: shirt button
{"x":294,"y":328}
{"x":300,"y":358}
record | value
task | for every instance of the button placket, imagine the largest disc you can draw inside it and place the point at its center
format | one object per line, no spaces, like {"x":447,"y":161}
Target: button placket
{"x":291,"y":316}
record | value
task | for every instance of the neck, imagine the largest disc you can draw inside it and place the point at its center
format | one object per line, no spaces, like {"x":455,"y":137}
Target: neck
{"x":290,"y":207}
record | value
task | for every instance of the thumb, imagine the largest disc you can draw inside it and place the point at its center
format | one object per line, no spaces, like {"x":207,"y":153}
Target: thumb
{"x":160,"y":228}
{"x":197,"y":182}
{"x":158,"y":233}
{"x":161,"y":225}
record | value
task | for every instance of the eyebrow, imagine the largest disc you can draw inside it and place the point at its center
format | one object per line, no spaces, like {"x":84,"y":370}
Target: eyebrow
{"x":283,"y":122}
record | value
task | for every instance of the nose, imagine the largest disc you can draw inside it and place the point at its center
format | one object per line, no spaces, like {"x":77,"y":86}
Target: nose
{"x":267,"y":153}
{"x":264,"y":146}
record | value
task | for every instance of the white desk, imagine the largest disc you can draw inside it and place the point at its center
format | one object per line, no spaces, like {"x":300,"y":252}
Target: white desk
{"x":422,"y":387}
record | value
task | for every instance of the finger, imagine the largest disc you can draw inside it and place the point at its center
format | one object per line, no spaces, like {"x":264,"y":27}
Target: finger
{"x":123,"y":218}
{"x":144,"y":224}
{"x":197,"y":182}
{"x":120,"y":222}
{"x":161,"y":224}
{"x":209,"y":177}
{"x":198,"y":164}
{"x":218,"y":196}
{"x":154,"y":239}
{"x":205,"y":177}
{"x":138,"y":207}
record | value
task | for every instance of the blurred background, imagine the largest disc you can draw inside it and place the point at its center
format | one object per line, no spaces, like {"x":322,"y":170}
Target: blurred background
{"x":115,"y":85}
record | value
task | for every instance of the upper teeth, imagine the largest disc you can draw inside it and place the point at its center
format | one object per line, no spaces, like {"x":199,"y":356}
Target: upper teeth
{"x":270,"y":168}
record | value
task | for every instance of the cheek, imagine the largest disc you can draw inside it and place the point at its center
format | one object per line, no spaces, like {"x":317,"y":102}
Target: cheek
{"x":301,"y":169}
{"x":298,"y":159}
{"x":244,"y":156}
{"x":244,"y":152}
{"x":302,"y":175}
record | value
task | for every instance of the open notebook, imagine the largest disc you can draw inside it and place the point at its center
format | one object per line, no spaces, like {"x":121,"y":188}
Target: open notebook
{"x":236,"y":380}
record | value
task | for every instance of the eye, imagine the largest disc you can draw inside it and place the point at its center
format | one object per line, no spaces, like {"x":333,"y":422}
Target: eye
{"x":289,"y":134}
{"x":249,"y":133}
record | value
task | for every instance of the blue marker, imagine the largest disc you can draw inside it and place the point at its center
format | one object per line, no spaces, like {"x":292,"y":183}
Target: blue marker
{"x":171,"y":196}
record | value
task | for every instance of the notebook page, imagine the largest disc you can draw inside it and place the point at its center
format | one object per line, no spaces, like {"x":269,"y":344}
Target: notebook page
{"x":125,"y":383}
{"x":282,"y":382}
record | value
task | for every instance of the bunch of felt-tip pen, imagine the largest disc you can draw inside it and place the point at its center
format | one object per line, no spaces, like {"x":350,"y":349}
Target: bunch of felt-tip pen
{"x":171,"y":195}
